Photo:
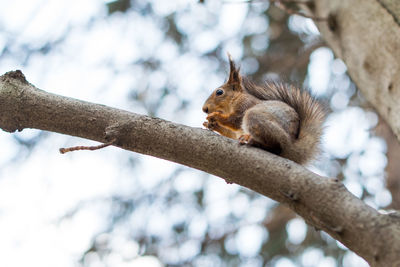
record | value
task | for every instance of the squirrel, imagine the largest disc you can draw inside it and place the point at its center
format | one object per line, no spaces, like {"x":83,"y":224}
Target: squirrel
{"x":279,"y":118}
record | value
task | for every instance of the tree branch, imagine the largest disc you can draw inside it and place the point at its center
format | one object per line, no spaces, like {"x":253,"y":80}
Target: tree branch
{"x":322,"y":202}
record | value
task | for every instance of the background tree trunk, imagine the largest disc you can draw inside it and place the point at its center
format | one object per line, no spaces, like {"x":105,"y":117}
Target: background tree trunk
{"x":365,"y":34}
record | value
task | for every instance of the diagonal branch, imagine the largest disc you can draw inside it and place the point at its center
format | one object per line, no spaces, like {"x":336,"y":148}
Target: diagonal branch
{"x":322,"y":202}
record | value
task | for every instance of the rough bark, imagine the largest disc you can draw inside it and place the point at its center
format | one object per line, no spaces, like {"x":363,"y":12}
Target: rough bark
{"x":365,"y":34}
{"x":322,"y":202}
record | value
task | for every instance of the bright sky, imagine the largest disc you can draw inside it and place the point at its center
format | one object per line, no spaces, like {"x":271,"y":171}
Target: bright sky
{"x":36,"y":192}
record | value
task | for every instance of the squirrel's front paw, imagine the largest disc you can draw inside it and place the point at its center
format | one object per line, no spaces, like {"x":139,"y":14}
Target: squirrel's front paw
{"x":211,"y":122}
{"x":213,"y":116}
{"x":211,"y":125}
{"x":207,"y":124}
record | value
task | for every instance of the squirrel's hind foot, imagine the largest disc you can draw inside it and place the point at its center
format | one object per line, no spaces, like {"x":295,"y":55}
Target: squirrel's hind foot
{"x":245,"y":139}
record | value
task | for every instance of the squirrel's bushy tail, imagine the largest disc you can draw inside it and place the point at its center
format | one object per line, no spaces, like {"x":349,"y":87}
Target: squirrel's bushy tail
{"x":311,"y":116}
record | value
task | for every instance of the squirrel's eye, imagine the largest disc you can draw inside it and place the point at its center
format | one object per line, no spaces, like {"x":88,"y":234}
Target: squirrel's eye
{"x":219,"y":92}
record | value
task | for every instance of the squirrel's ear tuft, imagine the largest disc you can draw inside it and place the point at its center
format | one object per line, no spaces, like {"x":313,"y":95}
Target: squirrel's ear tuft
{"x":234,"y":75}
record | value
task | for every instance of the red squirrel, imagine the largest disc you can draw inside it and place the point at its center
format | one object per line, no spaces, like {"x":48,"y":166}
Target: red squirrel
{"x":282,"y":119}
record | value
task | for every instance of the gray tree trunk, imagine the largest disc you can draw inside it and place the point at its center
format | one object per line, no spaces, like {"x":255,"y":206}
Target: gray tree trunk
{"x":365,"y":34}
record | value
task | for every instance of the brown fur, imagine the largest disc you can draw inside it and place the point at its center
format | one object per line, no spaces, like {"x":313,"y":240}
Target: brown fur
{"x":310,"y":112}
{"x":280,"y":118}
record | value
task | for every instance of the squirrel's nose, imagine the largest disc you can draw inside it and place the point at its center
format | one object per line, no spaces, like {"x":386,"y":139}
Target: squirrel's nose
{"x":205,"y":109}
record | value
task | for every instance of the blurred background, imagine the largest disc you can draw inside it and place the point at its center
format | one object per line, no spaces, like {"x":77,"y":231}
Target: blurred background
{"x":163,"y":58}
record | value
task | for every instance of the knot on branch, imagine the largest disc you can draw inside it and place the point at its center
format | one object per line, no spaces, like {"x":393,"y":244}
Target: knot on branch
{"x":291,"y":195}
{"x":15,"y":74}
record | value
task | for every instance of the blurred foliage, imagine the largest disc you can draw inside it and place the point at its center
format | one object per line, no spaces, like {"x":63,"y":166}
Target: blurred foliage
{"x":179,"y":226}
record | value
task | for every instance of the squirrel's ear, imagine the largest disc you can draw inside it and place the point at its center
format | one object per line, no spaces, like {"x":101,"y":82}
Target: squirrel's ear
{"x":234,"y":75}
